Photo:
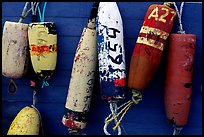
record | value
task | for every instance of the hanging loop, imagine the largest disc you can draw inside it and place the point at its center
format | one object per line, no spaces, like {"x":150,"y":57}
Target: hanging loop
{"x":34,"y":10}
{"x":42,"y":16}
{"x":25,"y":13}
{"x":179,"y":14}
{"x":105,"y":129}
{"x":12,"y":88}
{"x":177,"y":130}
{"x":113,"y":108}
{"x":45,"y":83}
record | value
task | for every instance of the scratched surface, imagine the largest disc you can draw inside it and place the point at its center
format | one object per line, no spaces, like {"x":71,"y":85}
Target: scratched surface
{"x":146,"y":118}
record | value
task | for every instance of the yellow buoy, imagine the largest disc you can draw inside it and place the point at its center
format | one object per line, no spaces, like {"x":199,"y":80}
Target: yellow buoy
{"x":26,"y":122}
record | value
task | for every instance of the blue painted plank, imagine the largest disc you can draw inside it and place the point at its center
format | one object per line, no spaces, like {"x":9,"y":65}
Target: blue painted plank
{"x":147,"y":118}
{"x":60,"y":78}
{"x":45,"y":95}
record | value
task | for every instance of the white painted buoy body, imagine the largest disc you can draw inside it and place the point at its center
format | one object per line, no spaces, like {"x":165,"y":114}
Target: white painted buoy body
{"x":111,"y":52}
{"x":14,"y":49}
{"x":81,"y":82}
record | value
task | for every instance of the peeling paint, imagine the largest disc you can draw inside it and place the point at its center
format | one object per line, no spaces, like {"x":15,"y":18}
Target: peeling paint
{"x":111,"y":53}
{"x":81,"y":82}
{"x":178,"y":85}
{"x":14,"y":49}
{"x":43,"y":48}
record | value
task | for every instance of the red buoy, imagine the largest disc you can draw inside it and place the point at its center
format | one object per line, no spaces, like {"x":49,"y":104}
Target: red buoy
{"x":148,"y":50}
{"x":178,"y":83}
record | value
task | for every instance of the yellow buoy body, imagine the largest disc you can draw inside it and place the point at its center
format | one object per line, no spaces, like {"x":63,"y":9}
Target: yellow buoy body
{"x":26,"y":122}
{"x":43,"y":48}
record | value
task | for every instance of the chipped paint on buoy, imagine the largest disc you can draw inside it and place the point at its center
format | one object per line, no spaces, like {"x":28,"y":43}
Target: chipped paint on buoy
{"x":25,"y":123}
{"x":179,"y":73}
{"x":81,"y":82}
{"x":151,"y":41}
{"x":14,"y":49}
{"x":111,"y":52}
{"x":43,"y":48}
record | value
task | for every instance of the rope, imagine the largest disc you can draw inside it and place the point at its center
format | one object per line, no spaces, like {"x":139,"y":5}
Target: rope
{"x":177,"y":130}
{"x":42,"y":16}
{"x":40,"y":118}
{"x":34,"y":97}
{"x":35,"y":7}
{"x":136,"y":98}
{"x":45,"y":83}
{"x":113,"y":108}
{"x":179,"y":14}
{"x":24,"y":13}
{"x":12,"y":88}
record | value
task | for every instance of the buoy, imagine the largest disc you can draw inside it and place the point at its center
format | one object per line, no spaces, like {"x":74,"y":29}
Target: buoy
{"x":179,"y":72}
{"x":15,"y":50}
{"x":178,"y":83}
{"x":25,"y":123}
{"x":111,"y":55}
{"x":43,"y":47}
{"x":149,"y":47}
{"x":82,"y":78}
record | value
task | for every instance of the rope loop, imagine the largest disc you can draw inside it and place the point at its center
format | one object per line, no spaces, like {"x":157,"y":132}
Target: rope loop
{"x":179,"y":14}
{"x":113,"y":108}
{"x":12,"y":88}
{"x":25,"y":13}
{"x":45,"y":83}
{"x":136,"y":98}
{"x":42,"y":16}
{"x":177,"y":130}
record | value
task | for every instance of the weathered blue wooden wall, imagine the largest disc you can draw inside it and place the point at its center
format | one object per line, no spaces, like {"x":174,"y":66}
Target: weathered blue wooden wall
{"x":147,"y":117}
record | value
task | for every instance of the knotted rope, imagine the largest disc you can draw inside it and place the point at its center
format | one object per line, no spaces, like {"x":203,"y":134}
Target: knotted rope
{"x":136,"y":98}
